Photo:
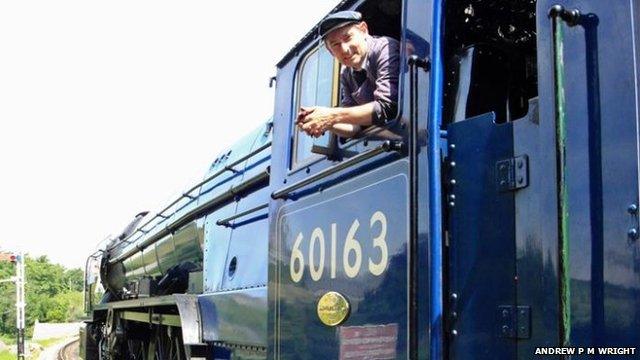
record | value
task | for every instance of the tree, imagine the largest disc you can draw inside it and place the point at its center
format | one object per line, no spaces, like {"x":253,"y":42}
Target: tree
{"x":53,"y":294}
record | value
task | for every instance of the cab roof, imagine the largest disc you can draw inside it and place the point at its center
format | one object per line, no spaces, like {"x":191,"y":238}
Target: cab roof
{"x":313,"y":33}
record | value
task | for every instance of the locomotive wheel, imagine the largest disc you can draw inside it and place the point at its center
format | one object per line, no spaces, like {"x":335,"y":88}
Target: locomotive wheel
{"x":166,"y":344}
{"x":136,"y":350}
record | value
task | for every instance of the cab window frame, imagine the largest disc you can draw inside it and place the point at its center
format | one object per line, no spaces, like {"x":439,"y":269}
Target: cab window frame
{"x":345,"y":147}
{"x":295,"y":163}
{"x":371,"y":135}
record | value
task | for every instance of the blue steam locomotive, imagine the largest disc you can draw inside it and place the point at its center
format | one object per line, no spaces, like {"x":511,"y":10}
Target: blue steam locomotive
{"x":495,"y":218}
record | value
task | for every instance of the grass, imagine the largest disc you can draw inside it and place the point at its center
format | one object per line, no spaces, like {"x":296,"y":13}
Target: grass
{"x":9,"y":340}
{"x":5,"y":355}
{"x":45,"y":343}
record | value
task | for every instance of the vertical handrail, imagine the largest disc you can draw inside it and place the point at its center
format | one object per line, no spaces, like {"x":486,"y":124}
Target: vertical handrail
{"x":435,"y":187}
{"x":415,"y":63}
{"x":413,"y":206}
{"x":558,"y":15}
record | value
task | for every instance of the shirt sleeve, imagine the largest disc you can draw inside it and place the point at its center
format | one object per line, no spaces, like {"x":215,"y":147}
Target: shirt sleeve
{"x":386,"y":86}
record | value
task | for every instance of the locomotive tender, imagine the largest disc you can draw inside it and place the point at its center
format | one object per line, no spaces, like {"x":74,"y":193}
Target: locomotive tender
{"x":497,"y":214}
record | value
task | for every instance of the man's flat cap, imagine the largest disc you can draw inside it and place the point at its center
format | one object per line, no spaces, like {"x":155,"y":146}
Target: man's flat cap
{"x":338,"y":20}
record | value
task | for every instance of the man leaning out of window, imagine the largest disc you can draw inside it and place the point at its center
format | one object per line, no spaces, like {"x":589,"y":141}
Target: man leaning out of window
{"x":369,"y":78}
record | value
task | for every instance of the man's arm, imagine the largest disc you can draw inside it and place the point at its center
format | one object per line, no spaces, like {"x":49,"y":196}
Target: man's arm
{"x":387,"y":75}
{"x":345,"y":121}
{"x":345,"y":130}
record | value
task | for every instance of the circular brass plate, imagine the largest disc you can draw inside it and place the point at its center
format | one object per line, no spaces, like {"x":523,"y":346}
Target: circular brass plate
{"x":333,"y":308}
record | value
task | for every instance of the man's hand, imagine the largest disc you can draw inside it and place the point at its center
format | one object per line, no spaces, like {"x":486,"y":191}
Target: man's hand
{"x":344,"y":121}
{"x":316,"y":120}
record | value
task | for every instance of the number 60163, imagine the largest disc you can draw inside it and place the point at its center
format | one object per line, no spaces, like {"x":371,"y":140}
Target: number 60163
{"x":351,"y":251}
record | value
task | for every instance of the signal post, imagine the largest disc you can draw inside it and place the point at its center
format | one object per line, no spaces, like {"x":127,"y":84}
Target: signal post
{"x":19,"y":280}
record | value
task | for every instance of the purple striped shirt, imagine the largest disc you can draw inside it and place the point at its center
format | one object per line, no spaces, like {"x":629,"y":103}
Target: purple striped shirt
{"x":381,"y":84}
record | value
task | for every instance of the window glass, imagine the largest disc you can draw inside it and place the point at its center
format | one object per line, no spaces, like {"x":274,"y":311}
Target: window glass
{"x":316,"y":79}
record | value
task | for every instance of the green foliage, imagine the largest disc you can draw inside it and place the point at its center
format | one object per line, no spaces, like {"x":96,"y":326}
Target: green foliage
{"x":45,"y":343}
{"x":8,"y":340}
{"x":53,"y":294}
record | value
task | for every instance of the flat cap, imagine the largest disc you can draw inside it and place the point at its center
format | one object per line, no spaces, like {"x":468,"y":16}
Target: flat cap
{"x":338,"y":20}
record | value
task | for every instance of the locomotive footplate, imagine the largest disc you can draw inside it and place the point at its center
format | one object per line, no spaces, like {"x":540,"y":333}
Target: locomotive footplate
{"x":138,"y":303}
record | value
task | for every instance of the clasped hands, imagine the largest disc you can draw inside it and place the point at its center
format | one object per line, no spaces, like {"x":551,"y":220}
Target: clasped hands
{"x":315,"y":120}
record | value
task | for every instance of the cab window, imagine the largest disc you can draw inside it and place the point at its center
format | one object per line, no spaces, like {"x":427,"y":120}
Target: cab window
{"x":317,"y":85}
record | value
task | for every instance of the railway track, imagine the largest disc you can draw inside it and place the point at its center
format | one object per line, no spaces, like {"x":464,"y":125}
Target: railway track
{"x":69,"y":351}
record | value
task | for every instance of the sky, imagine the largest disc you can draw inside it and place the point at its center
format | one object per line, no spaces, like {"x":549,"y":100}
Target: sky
{"x":114,"y":107}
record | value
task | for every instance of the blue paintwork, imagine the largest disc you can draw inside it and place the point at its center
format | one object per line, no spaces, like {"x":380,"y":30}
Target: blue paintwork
{"x":417,"y":37}
{"x":233,"y":305}
{"x":435,"y":187}
{"x":221,"y":244}
{"x":227,"y":179}
{"x":216,"y":244}
{"x":235,"y":317}
{"x":536,"y":231}
{"x":481,"y":254}
{"x":375,"y":300}
{"x":280,"y":148}
{"x":602,"y":167}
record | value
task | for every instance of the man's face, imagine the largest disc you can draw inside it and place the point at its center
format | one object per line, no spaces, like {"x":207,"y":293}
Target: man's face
{"x":348,"y":44}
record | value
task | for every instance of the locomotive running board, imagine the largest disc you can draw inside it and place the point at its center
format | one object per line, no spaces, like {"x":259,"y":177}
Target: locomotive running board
{"x":137,"y":303}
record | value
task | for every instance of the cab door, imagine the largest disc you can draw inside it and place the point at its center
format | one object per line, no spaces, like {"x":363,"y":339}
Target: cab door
{"x":590,"y":55}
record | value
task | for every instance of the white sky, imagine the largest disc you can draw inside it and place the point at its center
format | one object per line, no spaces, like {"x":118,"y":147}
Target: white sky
{"x":113,"y":107}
